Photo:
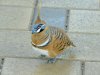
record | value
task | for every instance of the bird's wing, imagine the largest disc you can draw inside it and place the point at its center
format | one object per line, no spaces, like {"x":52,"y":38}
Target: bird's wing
{"x":60,"y":39}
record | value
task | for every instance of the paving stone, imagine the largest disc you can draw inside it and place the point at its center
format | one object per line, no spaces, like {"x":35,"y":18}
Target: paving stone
{"x":14,"y":17}
{"x":2,"y":35}
{"x":83,"y":4}
{"x":18,"y":36}
{"x":87,"y":46}
{"x":0,"y":65}
{"x":15,"y":49}
{"x":17,"y":43}
{"x":84,"y":21}
{"x":28,"y":3}
{"x":92,"y":68}
{"x":13,"y":66}
{"x":54,"y":16}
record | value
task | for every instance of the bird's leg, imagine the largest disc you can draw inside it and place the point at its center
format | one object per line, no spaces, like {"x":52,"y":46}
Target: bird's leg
{"x":52,"y":60}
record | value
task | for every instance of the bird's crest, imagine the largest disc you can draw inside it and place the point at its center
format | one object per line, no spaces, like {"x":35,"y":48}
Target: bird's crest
{"x":38,"y":20}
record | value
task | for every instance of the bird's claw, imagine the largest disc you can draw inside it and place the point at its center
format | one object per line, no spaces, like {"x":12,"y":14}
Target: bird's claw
{"x":51,"y":60}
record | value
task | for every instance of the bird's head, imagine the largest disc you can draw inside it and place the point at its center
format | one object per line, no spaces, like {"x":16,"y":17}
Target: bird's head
{"x":37,"y":28}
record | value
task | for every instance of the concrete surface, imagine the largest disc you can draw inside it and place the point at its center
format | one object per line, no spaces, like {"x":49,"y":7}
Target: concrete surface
{"x":25,"y":3}
{"x":13,"y":66}
{"x":15,"y":17}
{"x":83,"y":20}
{"x":0,"y":64}
{"x":81,"y":4}
{"x":92,"y":68}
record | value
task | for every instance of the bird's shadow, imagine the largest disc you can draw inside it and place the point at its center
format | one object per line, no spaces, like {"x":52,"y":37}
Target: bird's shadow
{"x":61,"y":67}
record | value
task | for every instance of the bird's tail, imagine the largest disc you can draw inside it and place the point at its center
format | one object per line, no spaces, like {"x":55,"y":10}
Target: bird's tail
{"x":72,"y":44}
{"x":38,"y":20}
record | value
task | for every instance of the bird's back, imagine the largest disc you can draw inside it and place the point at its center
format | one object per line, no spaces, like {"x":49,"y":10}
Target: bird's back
{"x":60,"y":39}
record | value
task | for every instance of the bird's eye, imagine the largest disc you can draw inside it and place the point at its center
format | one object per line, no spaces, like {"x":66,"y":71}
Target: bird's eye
{"x":38,"y":27}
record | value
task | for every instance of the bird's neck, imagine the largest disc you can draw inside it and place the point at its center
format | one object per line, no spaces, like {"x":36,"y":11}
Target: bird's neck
{"x":41,"y":39}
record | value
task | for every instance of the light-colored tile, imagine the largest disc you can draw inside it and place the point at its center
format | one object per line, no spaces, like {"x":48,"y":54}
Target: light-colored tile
{"x":16,"y":49}
{"x":18,"y":36}
{"x":0,"y":62}
{"x":15,"y":17}
{"x":17,"y":44}
{"x":84,"y":21}
{"x":87,"y":47}
{"x":92,"y":68}
{"x":28,"y":3}
{"x":2,"y":35}
{"x":13,"y":66}
{"x":54,"y":16}
{"x":83,"y":4}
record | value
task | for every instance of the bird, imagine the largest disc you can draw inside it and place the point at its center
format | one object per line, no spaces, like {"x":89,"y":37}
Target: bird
{"x":51,"y":41}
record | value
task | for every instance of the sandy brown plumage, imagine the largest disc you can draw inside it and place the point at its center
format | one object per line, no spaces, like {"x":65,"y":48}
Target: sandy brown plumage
{"x":58,"y":40}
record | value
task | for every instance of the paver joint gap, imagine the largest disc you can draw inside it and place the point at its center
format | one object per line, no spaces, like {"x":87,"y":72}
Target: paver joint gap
{"x":99,"y":4}
{"x":67,"y":20}
{"x":1,"y":66}
{"x":82,"y":68}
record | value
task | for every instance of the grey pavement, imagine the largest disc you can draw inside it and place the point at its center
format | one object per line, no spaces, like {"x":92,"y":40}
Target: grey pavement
{"x":14,"y":66}
{"x":84,"y":21}
{"x":82,"y":17}
{"x":92,"y":68}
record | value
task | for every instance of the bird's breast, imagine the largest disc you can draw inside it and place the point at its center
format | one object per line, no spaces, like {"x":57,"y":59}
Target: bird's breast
{"x":39,"y":51}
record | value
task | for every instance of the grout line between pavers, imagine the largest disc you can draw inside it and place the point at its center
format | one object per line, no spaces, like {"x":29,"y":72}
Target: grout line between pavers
{"x":67,"y":20}
{"x":82,"y":68}
{"x":14,"y":29}
{"x":91,"y":33}
{"x":96,"y":33}
{"x":22,"y":6}
{"x":8,"y":29}
{"x":99,"y":4}
{"x":47,"y":58}
{"x":73,"y":8}
{"x":2,"y":62}
{"x":15,"y":6}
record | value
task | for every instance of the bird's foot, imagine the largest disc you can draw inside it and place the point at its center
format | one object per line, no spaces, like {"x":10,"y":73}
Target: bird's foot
{"x":42,"y":56}
{"x":51,"y":60}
